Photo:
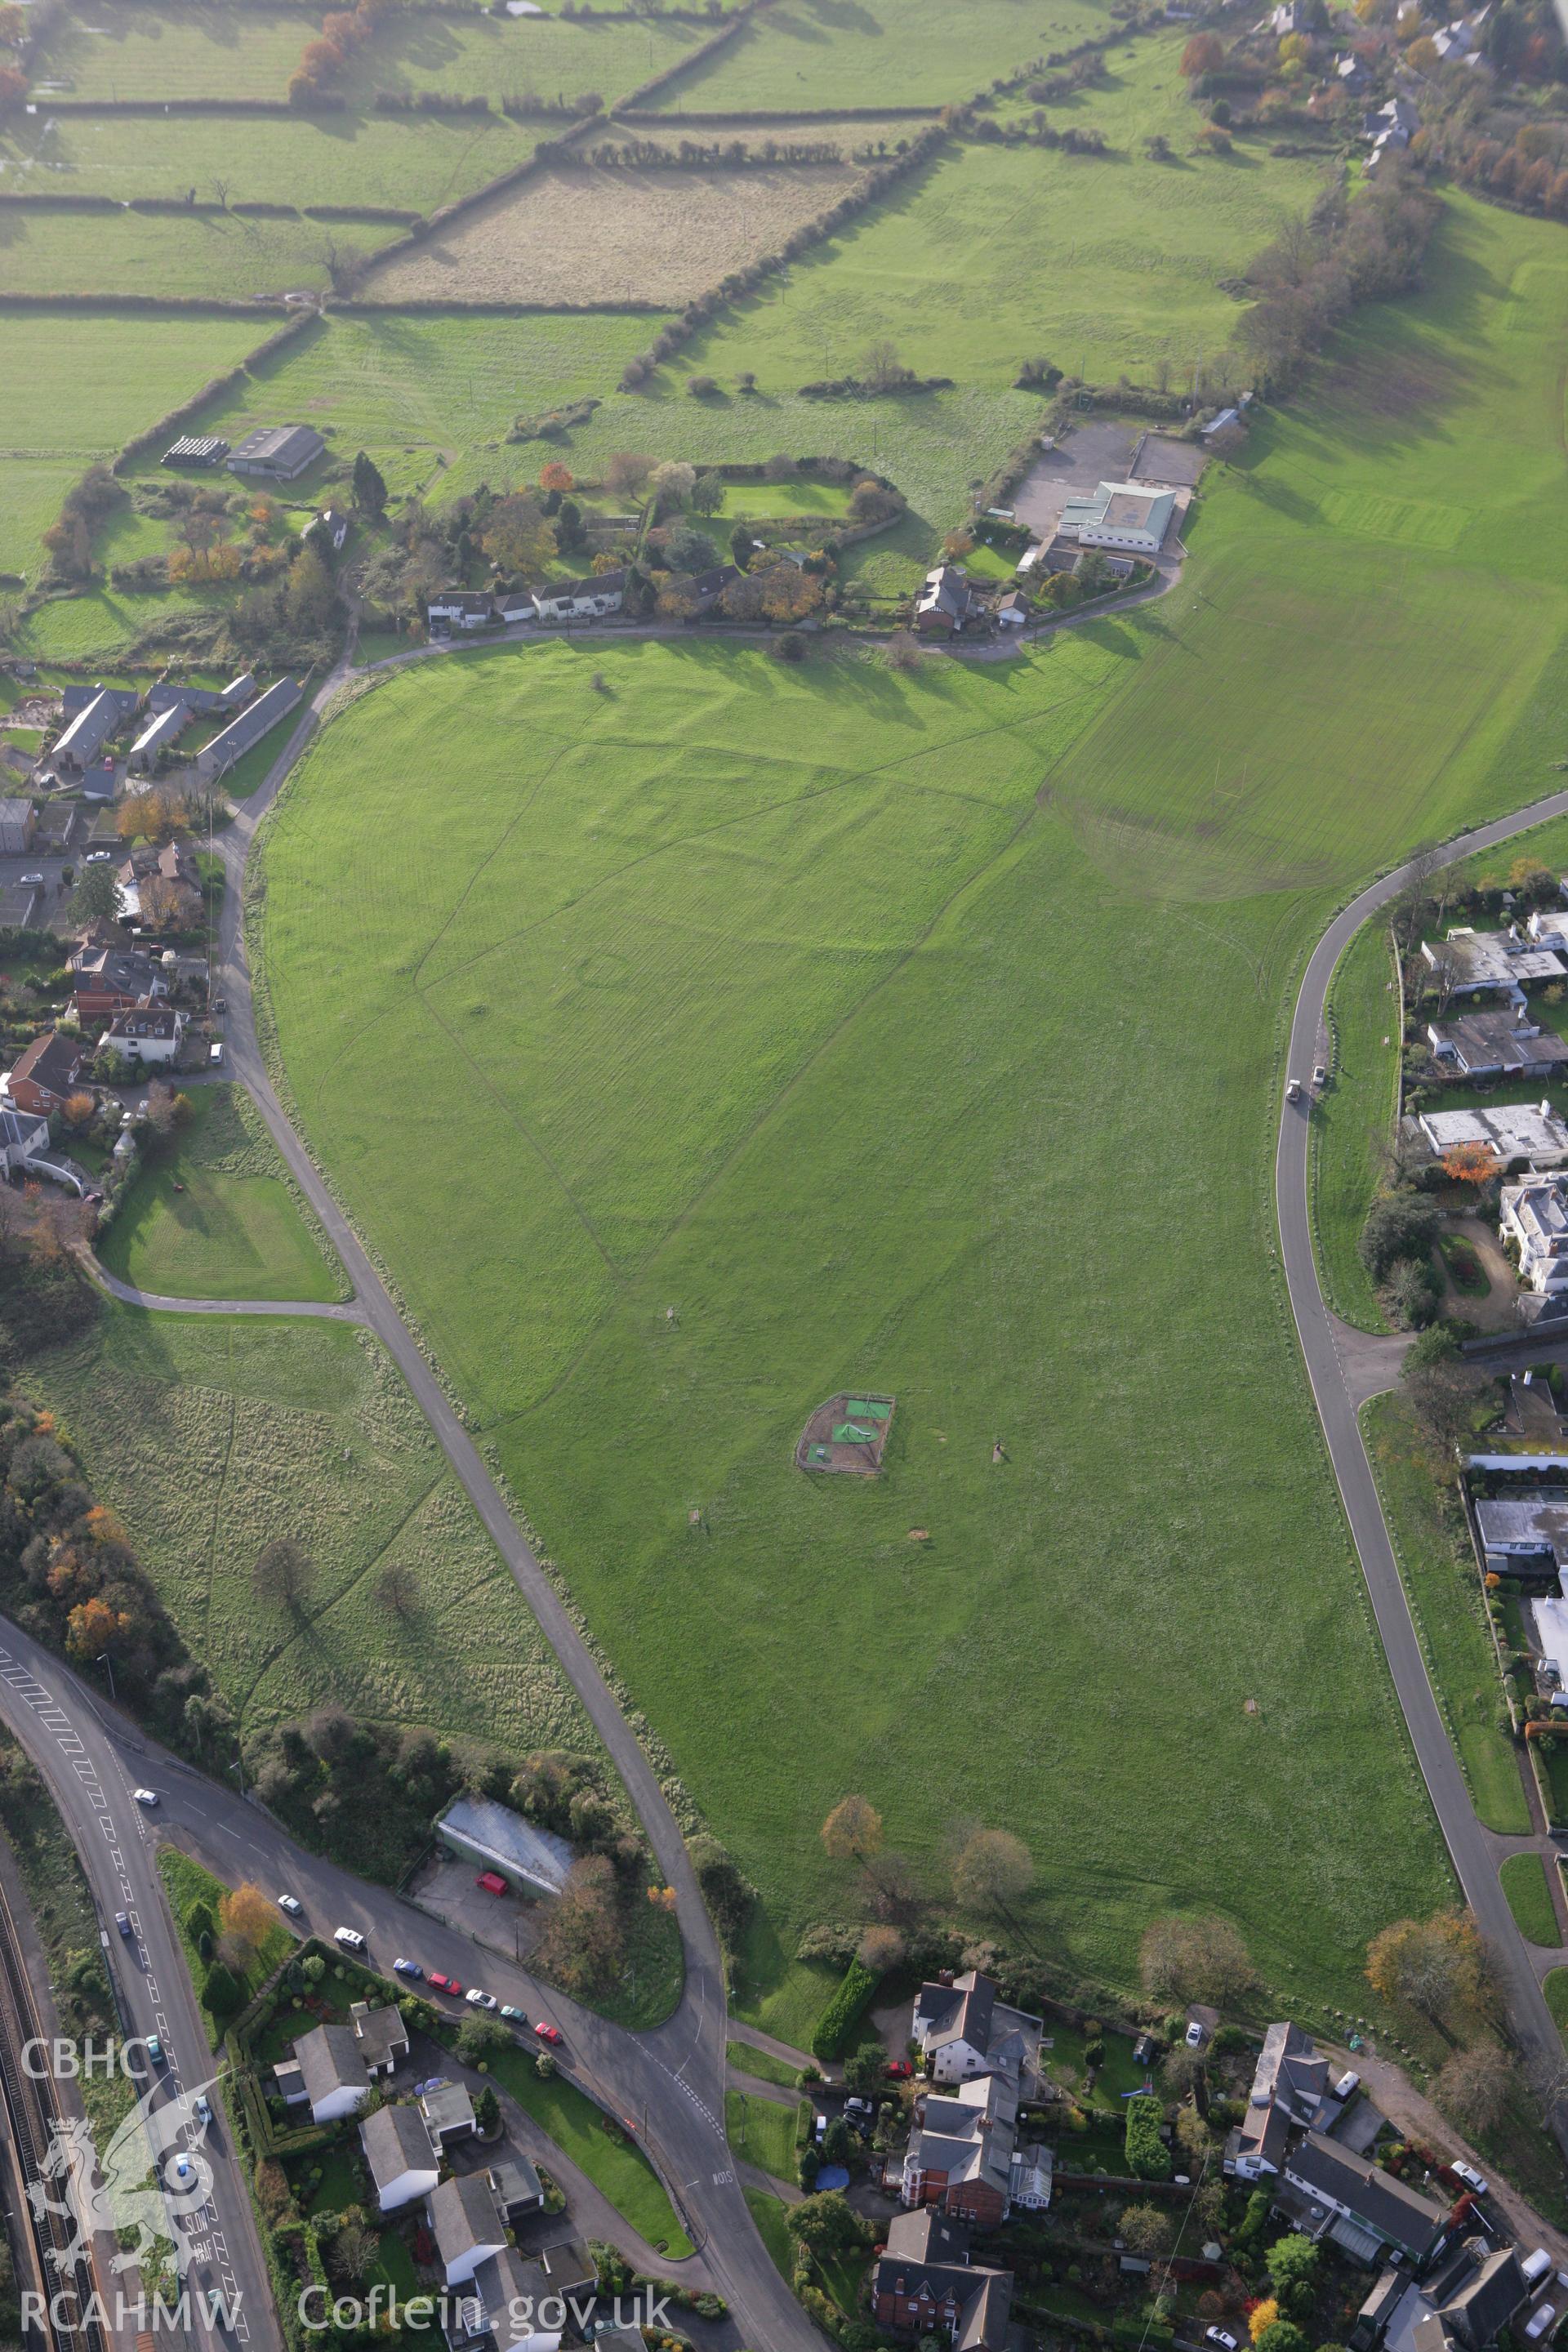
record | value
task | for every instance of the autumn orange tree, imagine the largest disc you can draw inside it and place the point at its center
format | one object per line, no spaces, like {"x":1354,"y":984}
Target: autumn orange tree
{"x":1442,"y":1967}
{"x":91,"y":1626}
{"x":1470,"y":1163}
{"x":554,"y":476}
{"x":248,"y":1919}
{"x":1203,"y":55}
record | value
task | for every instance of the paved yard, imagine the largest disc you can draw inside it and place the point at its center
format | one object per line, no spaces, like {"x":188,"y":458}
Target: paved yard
{"x":1093,"y":452}
{"x":503,"y":1923}
{"x":1176,"y":464}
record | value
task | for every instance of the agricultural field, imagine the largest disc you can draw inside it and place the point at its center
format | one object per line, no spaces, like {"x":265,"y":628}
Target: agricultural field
{"x":585,"y":234}
{"x":211,"y":1437}
{"x":222,"y":254}
{"x":815,"y":53}
{"x":215,"y":1217}
{"x":324,"y":159}
{"x":1353,"y":1119}
{"x":841,"y":880}
{"x":198,"y":53}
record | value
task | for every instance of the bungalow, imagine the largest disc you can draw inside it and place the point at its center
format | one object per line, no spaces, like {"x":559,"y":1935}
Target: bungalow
{"x":22,"y":1140}
{"x":959,"y":2156}
{"x":1496,"y":1044}
{"x":278,"y":453}
{"x":965,"y":2030}
{"x":945,"y":604}
{"x":1512,"y":1134}
{"x":160,"y":733}
{"x":581,"y":600}
{"x":1470,"y":961}
{"x":402,"y":2163}
{"x":1535,"y":1215}
{"x":18,"y":822}
{"x":467,"y":2226}
{"x":448,"y":2114}
{"x":1348,"y":2198}
{"x":113,"y":980}
{"x":461,"y":608}
{"x":48,"y":1073}
{"x":1524,"y":1535}
{"x":1128,"y":515}
{"x":251,"y":725}
{"x":153,"y":1034}
{"x":923,"y":2283}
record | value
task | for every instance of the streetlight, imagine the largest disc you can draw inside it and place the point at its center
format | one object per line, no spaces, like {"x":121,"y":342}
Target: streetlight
{"x":105,"y":1660}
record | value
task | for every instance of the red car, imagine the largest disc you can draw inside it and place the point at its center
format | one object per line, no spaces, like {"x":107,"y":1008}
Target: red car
{"x":900,"y":2069}
{"x":439,"y":1983}
{"x":491,"y":1882}
{"x":547,"y":2033}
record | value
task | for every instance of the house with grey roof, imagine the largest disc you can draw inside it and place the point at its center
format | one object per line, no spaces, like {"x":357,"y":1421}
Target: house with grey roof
{"x":332,"y":2073}
{"x":510,"y":2290}
{"x":160,"y":734}
{"x":18,"y":821}
{"x":923,"y":2283}
{"x":1471,"y":962}
{"x":1496,"y":1044}
{"x":963,"y":2030}
{"x":581,"y":600}
{"x":278,"y":453}
{"x":1289,"y":2088}
{"x":250,"y":726}
{"x":467,"y":2226}
{"x":382,"y":2035}
{"x":402,"y":2162}
{"x":85,"y":735}
{"x":960,"y":2155}
{"x":1534,"y":1214}
{"x":1524,"y":1535}
{"x":1347,"y":2198}
{"x":946,"y":603}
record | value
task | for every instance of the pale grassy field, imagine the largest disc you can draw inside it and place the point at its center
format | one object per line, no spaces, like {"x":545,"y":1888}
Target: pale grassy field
{"x":567,"y":237}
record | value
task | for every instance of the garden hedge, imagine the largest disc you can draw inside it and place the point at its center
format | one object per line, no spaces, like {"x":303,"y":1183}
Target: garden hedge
{"x":844,"y":2011}
{"x":1147,"y":2155}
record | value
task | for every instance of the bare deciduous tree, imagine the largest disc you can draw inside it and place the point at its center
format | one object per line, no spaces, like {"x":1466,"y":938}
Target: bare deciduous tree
{"x":283,"y":1573}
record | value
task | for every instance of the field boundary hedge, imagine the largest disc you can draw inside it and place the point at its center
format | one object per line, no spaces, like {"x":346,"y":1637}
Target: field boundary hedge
{"x":792,"y":114}
{"x":209,"y":306}
{"x":170,"y":421}
{"x":248,"y":208}
{"x":699,"y":55}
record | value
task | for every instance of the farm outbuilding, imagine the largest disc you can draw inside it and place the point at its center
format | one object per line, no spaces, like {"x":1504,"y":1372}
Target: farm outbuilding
{"x":496,"y":1839}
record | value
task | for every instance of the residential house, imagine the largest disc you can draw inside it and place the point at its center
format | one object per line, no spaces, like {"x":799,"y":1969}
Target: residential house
{"x":331,"y":2073}
{"x":509,"y":2291}
{"x":1347,"y":2198}
{"x":1524,"y":1535}
{"x":945,"y":604}
{"x":467,"y":2226}
{"x":1496,"y":1044}
{"x":1513,"y":1135}
{"x":959,"y":2156}
{"x":18,"y":822}
{"x":1290,"y":2089}
{"x":161,"y":732}
{"x":1392,"y":125}
{"x":238,"y":691}
{"x":150,"y":1034}
{"x":512,"y":605}
{"x":448,"y":2114}
{"x":1352,"y":74}
{"x":706,"y":587}
{"x":329,"y":528}
{"x":1128,"y":515}
{"x":251,"y":725}
{"x":581,"y":600}
{"x":923,"y":2283}
{"x":172,"y":864}
{"x":47,"y":1075}
{"x":107,"y":981}
{"x":1012,"y":609}
{"x":402,"y":2163}
{"x":461,"y":608}
{"x":1476,"y":2291}
{"x":100,"y":782}
{"x":23,"y":1139}
{"x":1534,"y":1214}
{"x":278,"y":453}
{"x":1472,"y":963}
{"x":86,"y":734}
{"x":567,"y":2268}
{"x":202,"y":700}
{"x":963,"y":2030}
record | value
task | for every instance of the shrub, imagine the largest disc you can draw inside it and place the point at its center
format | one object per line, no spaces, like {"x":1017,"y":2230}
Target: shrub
{"x":1402,"y":1225}
{"x":844,"y":2011}
{"x":1147,"y":2155}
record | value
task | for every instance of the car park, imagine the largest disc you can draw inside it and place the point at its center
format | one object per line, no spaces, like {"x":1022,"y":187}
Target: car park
{"x":147,"y":1798}
{"x":547,"y":2033}
{"x":407,"y":1969}
{"x":476,"y":1998}
{"x":349,"y":1938}
{"x":292,"y":1905}
{"x":122,"y":1922}
{"x":440,"y":1983}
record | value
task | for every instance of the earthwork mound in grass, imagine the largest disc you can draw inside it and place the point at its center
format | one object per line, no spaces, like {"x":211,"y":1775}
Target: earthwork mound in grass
{"x":849,"y":1432}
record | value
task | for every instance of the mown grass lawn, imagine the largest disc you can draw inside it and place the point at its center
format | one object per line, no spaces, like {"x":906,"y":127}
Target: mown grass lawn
{"x":873,"y":1099}
{"x":1554,"y":1985}
{"x":762,"y":2065}
{"x":1445,"y":1600}
{"x":1353,"y":1119}
{"x":610,"y":2160}
{"x":768,"y":2212}
{"x":761,"y":2132}
{"x":1525,"y":1883}
{"x":222,"y":254}
{"x":214,"y":1217}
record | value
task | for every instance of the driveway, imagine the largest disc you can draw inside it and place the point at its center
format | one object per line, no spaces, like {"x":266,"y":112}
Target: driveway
{"x":1093,"y":452}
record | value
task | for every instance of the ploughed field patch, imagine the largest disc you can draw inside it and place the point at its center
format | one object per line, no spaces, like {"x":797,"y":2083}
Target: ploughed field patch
{"x":571,"y":235}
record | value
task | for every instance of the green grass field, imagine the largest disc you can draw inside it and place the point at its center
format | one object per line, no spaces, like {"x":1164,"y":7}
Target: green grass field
{"x":1440,"y":1580}
{"x":193,"y":53}
{"x":211,"y":1436}
{"x":222,"y":254}
{"x":1353,"y":1119}
{"x":761,"y":2132}
{"x":815,"y":53}
{"x":761,"y":2065}
{"x":233,"y":1229}
{"x":337,"y":159}
{"x":1525,"y":1883}
{"x":866,"y":896}
{"x":1554,"y":1985}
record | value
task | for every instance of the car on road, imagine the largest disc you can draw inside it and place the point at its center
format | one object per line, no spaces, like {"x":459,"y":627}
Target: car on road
{"x":184,"y":2170}
{"x":1320,"y":1073}
{"x":215,"y":1055}
{"x":201,"y":2107}
{"x":547,"y":2033}
{"x":292,"y":1905}
{"x":407,"y":1969}
{"x":1222,"y":2337}
{"x":1471,"y":2178}
{"x":98,"y":857}
{"x":156,"y":2051}
{"x":349,"y":1938}
{"x":220,"y":1004}
{"x":147,"y":1798}
{"x":1195,"y":2036}
{"x":439,"y":1983}
{"x":32,"y":881}
{"x":122,"y":1922}
{"x":1293,"y":1091}
{"x":476,"y":1998}
{"x":514,"y":2016}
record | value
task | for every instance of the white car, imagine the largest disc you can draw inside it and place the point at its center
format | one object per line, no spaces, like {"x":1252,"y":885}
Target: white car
{"x":1471,"y":2177}
{"x":98,"y":857}
{"x":349,"y":1938}
{"x":478,"y":1999}
{"x":32,"y":881}
{"x":145,"y":1797}
{"x":1195,"y":2035}
{"x":1219,"y":2335}
{"x":292,"y":1905}
{"x":1537,"y":2325}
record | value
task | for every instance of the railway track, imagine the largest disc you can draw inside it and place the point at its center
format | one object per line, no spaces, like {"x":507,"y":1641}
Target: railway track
{"x":31,"y":2117}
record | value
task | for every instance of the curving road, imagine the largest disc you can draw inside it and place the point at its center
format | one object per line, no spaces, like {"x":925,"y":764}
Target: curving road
{"x":1343,"y":1370}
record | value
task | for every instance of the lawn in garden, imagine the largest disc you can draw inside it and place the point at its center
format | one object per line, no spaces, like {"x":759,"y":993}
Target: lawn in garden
{"x":761,"y":2132}
{"x":1525,"y":1883}
{"x":1353,"y":1117}
{"x":212,"y":1216}
{"x":866,"y":896}
{"x":1438,"y":1569}
{"x":212,"y":1436}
